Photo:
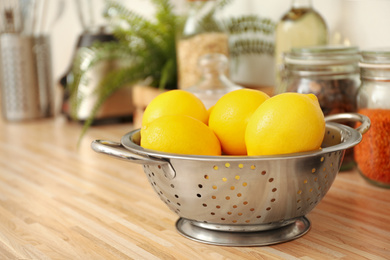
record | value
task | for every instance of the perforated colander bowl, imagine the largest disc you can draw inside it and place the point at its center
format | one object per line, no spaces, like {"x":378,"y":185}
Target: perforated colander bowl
{"x":243,"y":200}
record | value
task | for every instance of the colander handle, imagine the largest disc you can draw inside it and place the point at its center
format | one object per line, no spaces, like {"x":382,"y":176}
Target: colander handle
{"x":355,"y":117}
{"x":116,"y":150}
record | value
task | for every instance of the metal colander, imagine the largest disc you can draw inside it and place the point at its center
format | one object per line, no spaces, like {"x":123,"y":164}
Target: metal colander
{"x":243,"y":200}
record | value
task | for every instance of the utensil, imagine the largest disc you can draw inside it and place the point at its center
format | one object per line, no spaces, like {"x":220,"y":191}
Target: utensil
{"x":36,"y":18}
{"x":40,"y":17}
{"x":11,"y":14}
{"x":58,"y":15}
{"x":243,"y":200}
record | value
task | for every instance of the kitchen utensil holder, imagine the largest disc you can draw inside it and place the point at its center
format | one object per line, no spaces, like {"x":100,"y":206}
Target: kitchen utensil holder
{"x":26,"y":77}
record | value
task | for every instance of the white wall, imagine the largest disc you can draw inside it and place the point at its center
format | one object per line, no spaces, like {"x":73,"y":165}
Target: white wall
{"x":356,"y":22}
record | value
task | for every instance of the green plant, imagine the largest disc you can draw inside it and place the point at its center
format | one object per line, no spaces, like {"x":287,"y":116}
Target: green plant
{"x":147,"y":46}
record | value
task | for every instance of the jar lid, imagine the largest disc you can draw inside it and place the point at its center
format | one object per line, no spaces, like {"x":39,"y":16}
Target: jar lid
{"x":375,"y":58}
{"x":322,"y":55}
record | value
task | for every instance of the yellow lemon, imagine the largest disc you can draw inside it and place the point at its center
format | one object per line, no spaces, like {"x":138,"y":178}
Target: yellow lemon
{"x":286,"y":123}
{"x":175,"y":102}
{"x":180,"y":134}
{"x":208,"y":113}
{"x":230,"y":115}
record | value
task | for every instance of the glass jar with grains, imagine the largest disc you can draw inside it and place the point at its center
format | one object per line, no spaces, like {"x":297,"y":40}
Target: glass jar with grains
{"x":202,"y":34}
{"x":329,"y":72}
{"x":373,"y":100}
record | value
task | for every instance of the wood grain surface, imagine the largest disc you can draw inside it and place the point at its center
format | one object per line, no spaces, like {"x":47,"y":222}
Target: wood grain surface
{"x":58,"y":201}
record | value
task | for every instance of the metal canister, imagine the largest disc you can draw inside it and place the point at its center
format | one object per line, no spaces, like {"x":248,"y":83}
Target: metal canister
{"x":27,"y":88}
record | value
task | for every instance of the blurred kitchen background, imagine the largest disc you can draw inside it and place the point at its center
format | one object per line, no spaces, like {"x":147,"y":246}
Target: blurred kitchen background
{"x":363,"y":23}
{"x":43,"y":48}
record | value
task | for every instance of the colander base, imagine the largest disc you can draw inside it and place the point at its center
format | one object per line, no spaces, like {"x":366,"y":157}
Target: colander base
{"x":258,"y":238}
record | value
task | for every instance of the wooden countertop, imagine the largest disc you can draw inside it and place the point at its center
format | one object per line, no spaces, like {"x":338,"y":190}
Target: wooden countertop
{"x":60,"y":202}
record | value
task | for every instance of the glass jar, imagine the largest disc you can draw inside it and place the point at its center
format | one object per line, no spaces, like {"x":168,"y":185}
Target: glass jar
{"x":373,"y":100}
{"x":300,"y":26}
{"x":214,"y":83}
{"x":329,"y":72}
{"x":202,"y":34}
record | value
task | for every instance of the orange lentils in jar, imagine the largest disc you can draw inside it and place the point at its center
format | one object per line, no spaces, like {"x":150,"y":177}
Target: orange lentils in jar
{"x":373,"y":153}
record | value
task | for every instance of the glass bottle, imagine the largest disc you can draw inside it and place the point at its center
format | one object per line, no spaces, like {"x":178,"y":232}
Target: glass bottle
{"x":373,"y":100}
{"x":201,"y":34}
{"x":301,"y":26}
{"x":329,"y":72}
{"x":213,"y":83}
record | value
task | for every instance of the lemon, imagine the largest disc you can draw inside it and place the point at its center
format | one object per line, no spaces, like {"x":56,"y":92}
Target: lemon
{"x":230,"y":115}
{"x":286,"y":123}
{"x":175,"y":102}
{"x":180,"y":134}
{"x":209,"y":112}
